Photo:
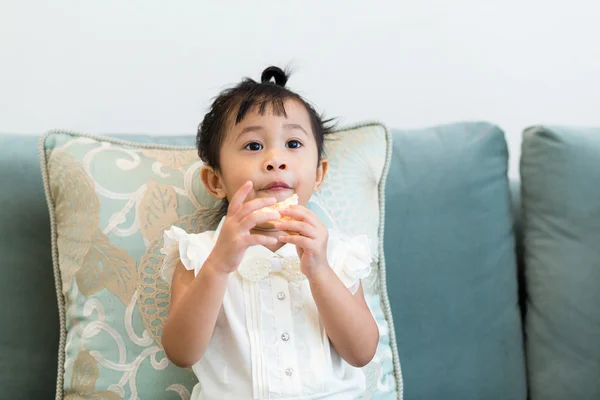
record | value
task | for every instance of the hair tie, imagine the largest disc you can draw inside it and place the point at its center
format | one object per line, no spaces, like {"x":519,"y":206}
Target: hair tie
{"x":274,"y":73}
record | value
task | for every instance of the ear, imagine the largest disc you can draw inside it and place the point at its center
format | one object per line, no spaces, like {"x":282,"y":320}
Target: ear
{"x":213,"y":182}
{"x":321,"y":172}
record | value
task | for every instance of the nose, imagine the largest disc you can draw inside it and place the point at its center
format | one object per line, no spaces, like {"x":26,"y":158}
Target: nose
{"x":274,"y":162}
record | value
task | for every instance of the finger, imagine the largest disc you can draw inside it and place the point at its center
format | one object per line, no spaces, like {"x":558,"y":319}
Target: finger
{"x":255,"y":205}
{"x":259,"y":217}
{"x":238,"y":198}
{"x":301,"y":213}
{"x":264,"y":240}
{"x":300,"y":227}
{"x":300,"y":241}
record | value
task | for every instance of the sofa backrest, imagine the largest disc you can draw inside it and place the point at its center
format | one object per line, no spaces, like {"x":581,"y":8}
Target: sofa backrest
{"x":29,"y":338}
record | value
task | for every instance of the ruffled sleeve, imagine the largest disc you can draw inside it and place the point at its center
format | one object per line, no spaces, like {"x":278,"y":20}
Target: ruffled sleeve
{"x":350,"y":259}
{"x":191,"y":248}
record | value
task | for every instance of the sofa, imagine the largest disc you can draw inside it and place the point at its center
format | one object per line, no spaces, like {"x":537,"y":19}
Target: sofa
{"x":494,"y":284}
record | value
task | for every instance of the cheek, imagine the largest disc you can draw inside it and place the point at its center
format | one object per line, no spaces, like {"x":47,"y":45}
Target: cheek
{"x":231,"y":181}
{"x":306,"y":167}
{"x":234,"y":178}
{"x":308,"y":183}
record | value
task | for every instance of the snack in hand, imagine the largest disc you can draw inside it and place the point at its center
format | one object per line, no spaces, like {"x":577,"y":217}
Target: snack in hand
{"x":282,"y":205}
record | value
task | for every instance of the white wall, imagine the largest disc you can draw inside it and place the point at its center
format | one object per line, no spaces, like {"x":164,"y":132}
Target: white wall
{"x":152,"y":66}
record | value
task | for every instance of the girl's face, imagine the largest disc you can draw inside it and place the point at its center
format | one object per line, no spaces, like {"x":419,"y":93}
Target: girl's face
{"x":278,"y":154}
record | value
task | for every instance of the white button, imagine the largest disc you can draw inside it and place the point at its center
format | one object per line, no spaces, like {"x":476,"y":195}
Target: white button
{"x":285,"y":337}
{"x":281,"y":295}
{"x":289,"y":372}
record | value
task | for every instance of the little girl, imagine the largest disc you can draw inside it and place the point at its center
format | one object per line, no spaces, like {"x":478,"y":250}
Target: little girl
{"x":264,"y":310}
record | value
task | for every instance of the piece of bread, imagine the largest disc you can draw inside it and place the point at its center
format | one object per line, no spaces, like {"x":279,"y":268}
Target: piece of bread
{"x":287,"y":203}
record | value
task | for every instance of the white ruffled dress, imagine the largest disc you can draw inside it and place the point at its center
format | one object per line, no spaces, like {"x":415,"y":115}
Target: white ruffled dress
{"x":269,"y":341}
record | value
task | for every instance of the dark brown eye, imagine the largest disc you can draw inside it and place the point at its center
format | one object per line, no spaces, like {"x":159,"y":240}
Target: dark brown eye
{"x":253,"y":146}
{"x":293,"y":144}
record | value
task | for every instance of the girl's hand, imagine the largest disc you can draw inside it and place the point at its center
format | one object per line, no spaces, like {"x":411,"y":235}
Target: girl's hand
{"x":235,"y":236}
{"x":311,"y":240}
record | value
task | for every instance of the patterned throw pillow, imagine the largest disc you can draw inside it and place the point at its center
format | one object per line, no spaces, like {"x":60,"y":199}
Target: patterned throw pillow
{"x":109,"y":202}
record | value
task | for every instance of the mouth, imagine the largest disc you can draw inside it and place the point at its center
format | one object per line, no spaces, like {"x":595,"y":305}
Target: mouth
{"x":275,"y":186}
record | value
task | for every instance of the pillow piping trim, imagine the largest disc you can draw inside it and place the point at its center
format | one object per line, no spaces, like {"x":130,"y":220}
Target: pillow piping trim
{"x":385,"y":303}
{"x":55,"y":267}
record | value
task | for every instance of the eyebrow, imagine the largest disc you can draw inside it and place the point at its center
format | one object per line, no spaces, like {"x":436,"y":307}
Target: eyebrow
{"x":295,"y":126}
{"x":253,"y":128}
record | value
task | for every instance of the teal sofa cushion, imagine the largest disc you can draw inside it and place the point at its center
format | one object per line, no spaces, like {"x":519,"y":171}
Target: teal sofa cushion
{"x":28,"y":312}
{"x":560,"y":174}
{"x":451,"y":270}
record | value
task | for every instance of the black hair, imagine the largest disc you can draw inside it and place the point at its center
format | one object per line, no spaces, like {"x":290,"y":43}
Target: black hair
{"x":247,"y":96}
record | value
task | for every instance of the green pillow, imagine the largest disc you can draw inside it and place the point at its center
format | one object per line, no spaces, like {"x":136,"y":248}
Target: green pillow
{"x":450,"y":253}
{"x":110,"y":201}
{"x":560,"y":173}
